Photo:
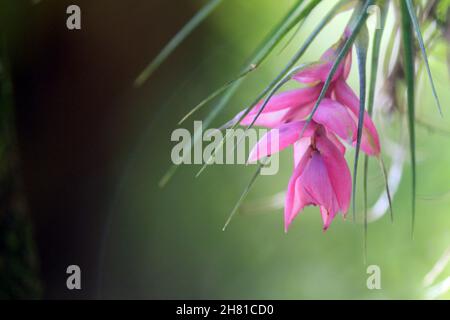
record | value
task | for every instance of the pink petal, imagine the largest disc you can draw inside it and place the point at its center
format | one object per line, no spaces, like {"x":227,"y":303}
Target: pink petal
{"x":280,"y":138}
{"x":318,"y":72}
{"x":278,"y":106}
{"x":265,"y":119}
{"x":309,"y":185}
{"x":336,"y":119}
{"x":288,"y":99}
{"x":336,"y":142}
{"x":293,"y":203}
{"x":347,"y":65}
{"x":317,"y":187}
{"x":299,"y":114}
{"x":327,"y":217}
{"x":300,"y":148}
{"x":370,"y":142}
{"x":338,"y":171}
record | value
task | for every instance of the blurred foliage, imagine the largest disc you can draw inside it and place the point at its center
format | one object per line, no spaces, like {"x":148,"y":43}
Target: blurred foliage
{"x":19,"y":278}
{"x":442,"y":10}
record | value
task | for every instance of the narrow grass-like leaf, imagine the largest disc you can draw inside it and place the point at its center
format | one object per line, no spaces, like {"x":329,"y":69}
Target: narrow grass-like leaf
{"x":348,"y":5}
{"x":386,"y":183}
{"x":216,"y":93}
{"x":176,"y":40}
{"x":361,"y":44}
{"x":289,"y":23}
{"x":376,"y":45}
{"x":409,"y":69}
{"x":244,"y":194}
{"x":415,"y":23}
{"x":366,"y":168}
{"x":292,"y":37}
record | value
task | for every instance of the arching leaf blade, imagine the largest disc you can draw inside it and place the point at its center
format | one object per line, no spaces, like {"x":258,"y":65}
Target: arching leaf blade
{"x":408,"y":60}
{"x":192,"y":24}
{"x":416,"y":27}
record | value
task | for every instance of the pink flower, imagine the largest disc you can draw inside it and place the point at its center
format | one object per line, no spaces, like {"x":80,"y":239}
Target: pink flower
{"x":321,"y":178}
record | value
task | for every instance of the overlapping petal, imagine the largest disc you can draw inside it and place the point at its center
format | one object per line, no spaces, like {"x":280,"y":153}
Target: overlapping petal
{"x":338,"y":171}
{"x":370,"y":142}
{"x":280,"y":138}
{"x":334,"y":116}
{"x":279,"y":106}
{"x":319,"y":71}
{"x":310,"y":185}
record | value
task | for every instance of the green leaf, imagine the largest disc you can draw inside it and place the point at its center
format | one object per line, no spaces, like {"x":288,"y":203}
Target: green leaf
{"x":361,"y":44}
{"x":376,"y":45}
{"x":244,"y":194}
{"x":216,"y":93}
{"x":386,"y":183}
{"x":415,"y":22}
{"x":408,"y":57}
{"x":176,"y":40}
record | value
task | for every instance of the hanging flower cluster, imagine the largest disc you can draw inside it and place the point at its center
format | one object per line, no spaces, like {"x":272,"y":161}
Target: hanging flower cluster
{"x":321,"y":176}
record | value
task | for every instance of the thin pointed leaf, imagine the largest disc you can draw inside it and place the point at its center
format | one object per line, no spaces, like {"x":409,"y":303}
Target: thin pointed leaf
{"x":176,"y":40}
{"x":366,"y":168}
{"x":348,"y":5}
{"x":376,"y":45}
{"x":292,"y":37}
{"x":415,"y":23}
{"x":408,"y":62}
{"x":361,"y":45}
{"x":216,"y":93}
{"x":386,"y":183}
{"x":243,"y":195}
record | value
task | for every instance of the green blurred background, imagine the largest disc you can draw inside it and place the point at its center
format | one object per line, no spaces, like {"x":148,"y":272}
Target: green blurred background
{"x":94,"y":149}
